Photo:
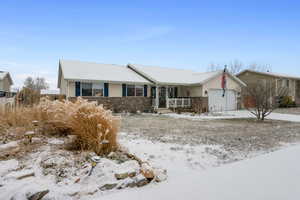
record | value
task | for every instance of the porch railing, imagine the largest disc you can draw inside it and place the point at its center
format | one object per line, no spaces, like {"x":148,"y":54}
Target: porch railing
{"x":179,"y":102}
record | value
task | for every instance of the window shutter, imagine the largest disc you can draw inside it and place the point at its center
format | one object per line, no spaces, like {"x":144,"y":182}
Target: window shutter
{"x":124,"y":90}
{"x":106,"y":89}
{"x":176,"y":92}
{"x":77,"y":89}
{"x":145,"y":90}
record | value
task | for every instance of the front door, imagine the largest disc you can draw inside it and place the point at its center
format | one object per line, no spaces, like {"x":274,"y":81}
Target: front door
{"x":162,"y":97}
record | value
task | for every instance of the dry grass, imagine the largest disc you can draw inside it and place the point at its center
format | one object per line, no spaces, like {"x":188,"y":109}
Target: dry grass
{"x":94,"y":127}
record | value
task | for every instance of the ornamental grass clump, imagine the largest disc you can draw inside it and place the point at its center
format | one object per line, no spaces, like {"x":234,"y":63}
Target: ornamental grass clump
{"x":94,"y":127}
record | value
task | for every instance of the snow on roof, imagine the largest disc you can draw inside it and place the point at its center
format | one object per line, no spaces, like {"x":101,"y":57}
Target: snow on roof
{"x":78,"y":70}
{"x":3,"y":75}
{"x":176,"y":76}
{"x":271,"y":74}
{"x":173,"y":76}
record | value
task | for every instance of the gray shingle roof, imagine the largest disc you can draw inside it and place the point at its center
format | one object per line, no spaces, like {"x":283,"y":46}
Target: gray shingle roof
{"x":280,"y":75}
{"x":78,"y":70}
{"x":162,"y":75}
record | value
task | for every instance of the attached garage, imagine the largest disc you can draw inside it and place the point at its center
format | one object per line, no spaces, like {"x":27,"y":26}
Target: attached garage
{"x":217,"y":102}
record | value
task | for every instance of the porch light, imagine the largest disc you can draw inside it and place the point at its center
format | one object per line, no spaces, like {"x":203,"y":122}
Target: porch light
{"x":205,"y":92}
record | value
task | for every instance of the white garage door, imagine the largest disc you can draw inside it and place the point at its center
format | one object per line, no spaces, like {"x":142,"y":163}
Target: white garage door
{"x":216,"y":101}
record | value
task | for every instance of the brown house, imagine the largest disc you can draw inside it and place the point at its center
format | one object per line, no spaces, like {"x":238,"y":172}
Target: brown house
{"x":280,"y":80}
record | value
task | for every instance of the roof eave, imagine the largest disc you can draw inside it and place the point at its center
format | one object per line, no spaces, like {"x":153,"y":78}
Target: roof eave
{"x":144,"y":75}
{"x":108,"y":81}
{"x":266,"y":74}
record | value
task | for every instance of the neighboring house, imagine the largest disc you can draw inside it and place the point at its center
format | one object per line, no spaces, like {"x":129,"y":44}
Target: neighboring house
{"x":279,"y":81}
{"x":5,"y":83}
{"x":135,"y":86}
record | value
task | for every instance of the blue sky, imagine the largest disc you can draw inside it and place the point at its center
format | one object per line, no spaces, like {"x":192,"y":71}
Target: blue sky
{"x":34,"y":35}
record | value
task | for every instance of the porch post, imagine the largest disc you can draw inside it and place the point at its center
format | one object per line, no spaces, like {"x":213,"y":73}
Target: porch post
{"x":167,"y":96}
{"x":156,"y":97}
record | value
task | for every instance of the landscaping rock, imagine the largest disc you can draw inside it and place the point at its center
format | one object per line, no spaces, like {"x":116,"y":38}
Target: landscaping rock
{"x":141,"y":180}
{"x":25,"y":175}
{"x":118,"y":156}
{"x":108,"y":186}
{"x":147,"y":171}
{"x":127,"y":183}
{"x":120,"y":176}
{"x":38,"y":195}
{"x":160,"y":175}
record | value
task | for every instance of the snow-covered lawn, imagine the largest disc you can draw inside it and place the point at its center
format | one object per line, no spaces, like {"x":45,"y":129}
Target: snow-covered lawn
{"x":272,"y":176}
{"x":195,"y":154}
{"x":235,"y":115}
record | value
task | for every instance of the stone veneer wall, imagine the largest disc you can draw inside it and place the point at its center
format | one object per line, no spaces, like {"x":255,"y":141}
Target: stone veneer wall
{"x":123,"y":104}
{"x":297,"y":99}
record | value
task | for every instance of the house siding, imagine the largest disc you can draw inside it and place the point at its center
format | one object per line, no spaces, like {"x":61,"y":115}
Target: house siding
{"x":115,"y":90}
{"x":5,"y":84}
{"x":251,"y":78}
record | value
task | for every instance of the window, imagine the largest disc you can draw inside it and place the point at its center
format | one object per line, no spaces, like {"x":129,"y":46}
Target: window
{"x":98,"y":89}
{"x":86,"y":89}
{"x":130,"y":90}
{"x":139,"y":91}
{"x":172,"y":92}
{"x":135,"y":90}
{"x":286,"y":83}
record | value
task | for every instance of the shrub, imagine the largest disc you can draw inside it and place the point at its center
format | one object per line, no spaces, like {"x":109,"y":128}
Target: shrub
{"x":286,"y":101}
{"x":95,"y":127}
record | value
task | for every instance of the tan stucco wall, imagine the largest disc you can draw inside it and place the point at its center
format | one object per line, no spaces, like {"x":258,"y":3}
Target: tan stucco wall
{"x":5,"y":85}
{"x":191,"y":91}
{"x":63,"y":85}
{"x":215,"y":83}
{"x":71,"y":89}
{"x":115,"y":90}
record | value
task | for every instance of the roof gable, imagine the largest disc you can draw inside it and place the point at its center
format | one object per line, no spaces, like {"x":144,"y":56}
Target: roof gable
{"x":78,"y":70}
{"x":3,"y":75}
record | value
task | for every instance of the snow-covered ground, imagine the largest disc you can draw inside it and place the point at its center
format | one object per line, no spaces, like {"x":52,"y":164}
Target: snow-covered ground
{"x":235,"y":115}
{"x":195,"y":170}
{"x":272,"y":176}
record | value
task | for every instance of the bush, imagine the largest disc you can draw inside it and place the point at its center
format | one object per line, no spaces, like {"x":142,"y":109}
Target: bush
{"x":286,"y":101}
{"x":95,"y":128}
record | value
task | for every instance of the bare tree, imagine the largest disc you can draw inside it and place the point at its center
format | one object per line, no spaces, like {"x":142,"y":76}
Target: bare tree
{"x":235,"y":66}
{"x":36,"y":84}
{"x":214,"y":67}
{"x":260,"y":67}
{"x":263,"y":96}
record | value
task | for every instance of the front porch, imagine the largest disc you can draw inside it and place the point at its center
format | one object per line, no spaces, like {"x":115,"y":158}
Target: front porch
{"x":170,"y":97}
